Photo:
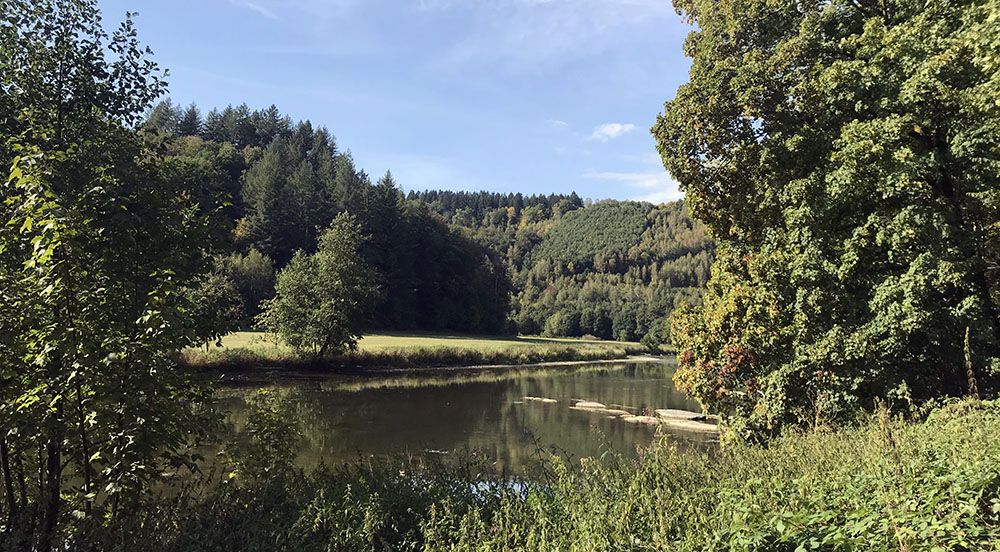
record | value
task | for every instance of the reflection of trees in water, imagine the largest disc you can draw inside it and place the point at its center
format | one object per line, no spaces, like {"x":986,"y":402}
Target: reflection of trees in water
{"x":487,"y":417}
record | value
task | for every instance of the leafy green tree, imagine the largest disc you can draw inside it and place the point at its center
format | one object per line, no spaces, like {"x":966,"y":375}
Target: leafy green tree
{"x":253,"y":276}
{"x":97,"y":245}
{"x":562,"y":324}
{"x":216,"y":305}
{"x":324,"y":301}
{"x":845,"y":155}
{"x":658,"y":335}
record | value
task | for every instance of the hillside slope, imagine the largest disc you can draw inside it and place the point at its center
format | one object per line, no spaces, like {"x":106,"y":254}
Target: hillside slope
{"x":610,"y":269}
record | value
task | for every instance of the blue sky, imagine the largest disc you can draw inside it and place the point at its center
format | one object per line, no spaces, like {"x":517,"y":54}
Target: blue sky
{"x":535,"y":96}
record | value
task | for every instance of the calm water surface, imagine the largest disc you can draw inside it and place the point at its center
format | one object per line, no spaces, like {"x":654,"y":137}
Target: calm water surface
{"x":341,"y":421}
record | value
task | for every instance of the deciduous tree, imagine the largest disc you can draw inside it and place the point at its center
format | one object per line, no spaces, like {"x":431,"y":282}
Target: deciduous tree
{"x":324,"y":301}
{"x":845,"y":155}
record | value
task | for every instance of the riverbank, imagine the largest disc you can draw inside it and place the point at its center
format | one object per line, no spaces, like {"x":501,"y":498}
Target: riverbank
{"x":250,"y":353}
{"x":887,"y":484}
{"x":382,"y":377}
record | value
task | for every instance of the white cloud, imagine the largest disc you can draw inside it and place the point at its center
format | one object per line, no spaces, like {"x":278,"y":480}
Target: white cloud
{"x":557,"y":124}
{"x":609,"y":131}
{"x":654,"y":187}
{"x":253,"y":6}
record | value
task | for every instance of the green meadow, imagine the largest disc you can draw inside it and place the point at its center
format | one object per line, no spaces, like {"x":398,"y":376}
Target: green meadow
{"x":248,"y":351}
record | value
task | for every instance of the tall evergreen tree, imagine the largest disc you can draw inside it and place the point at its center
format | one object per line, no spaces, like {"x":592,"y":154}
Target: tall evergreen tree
{"x":214,"y":128}
{"x":347,"y":188}
{"x":164,"y":117}
{"x":190,"y":122}
{"x":267,"y":210}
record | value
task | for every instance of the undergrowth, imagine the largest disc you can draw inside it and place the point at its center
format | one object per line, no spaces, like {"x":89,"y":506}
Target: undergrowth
{"x":887,"y":484}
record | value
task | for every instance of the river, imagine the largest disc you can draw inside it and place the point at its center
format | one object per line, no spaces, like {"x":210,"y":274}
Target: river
{"x":344,"y":419}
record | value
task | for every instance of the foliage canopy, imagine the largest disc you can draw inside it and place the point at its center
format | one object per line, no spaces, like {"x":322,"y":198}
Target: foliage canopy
{"x":98,"y":243}
{"x":844,"y":154}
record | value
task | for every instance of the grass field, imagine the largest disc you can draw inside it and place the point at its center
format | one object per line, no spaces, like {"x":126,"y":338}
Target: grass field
{"x":395,"y":341}
{"x":250,"y":350}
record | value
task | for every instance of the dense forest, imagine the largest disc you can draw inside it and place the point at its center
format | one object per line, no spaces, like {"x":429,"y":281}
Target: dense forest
{"x":610,"y":269}
{"x":273,"y":185}
{"x":460,"y":261}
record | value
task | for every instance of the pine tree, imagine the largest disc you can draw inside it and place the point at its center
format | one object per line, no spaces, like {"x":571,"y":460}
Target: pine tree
{"x":347,"y":189}
{"x":267,"y":208}
{"x":190,"y":123}
{"x":164,"y":117}
{"x":214,"y":128}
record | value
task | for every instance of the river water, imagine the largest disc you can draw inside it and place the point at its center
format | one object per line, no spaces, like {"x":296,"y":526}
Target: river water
{"x":344,"y":419}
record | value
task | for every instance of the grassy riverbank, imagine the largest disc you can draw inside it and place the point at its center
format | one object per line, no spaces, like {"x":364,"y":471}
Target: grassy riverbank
{"x":250,"y":351}
{"x":886,"y":485}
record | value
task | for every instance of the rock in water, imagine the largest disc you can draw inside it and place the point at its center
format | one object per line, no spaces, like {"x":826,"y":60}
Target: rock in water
{"x":646,"y":420}
{"x":611,"y":412}
{"x":540,"y":399}
{"x":693,"y":426}
{"x":674,"y":414}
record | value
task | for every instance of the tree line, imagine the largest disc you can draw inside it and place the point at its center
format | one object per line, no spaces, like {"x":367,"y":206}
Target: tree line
{"x":463,"y":261}
{"x":614,"y":270}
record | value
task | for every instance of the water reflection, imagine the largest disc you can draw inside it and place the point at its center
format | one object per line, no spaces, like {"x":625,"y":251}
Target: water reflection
{"x":490,"y":416}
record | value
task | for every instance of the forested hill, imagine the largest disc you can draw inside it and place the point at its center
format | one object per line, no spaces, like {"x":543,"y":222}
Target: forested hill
{"x":275,"y":184}
{"x":460,"y":261}
{"x":609,"y":269}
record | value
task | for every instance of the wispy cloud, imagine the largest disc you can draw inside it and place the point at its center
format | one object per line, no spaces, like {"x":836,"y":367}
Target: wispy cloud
{"x":253,"y":6}
{"x":610,"y":131}
{"x":557,"y":124}
{"x":533,"y":35}
{"x":654,"y":187}
{"x":317,"y":11}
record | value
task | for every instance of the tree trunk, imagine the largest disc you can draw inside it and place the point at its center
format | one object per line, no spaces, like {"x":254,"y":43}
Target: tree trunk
{"x":22,"y":481}
{"x":945,"y":186}
{"x":8,"y":486}
{"x":50,"y":498}
{"x":25,"y":523}
{"x":84,"y":447}
{"x":970,"y":373}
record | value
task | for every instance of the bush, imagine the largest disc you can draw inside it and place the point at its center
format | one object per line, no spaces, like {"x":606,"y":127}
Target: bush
{"x":562,"y":324}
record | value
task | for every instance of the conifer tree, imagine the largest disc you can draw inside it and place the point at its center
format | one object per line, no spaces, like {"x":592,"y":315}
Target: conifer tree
{"x":190,"y":122}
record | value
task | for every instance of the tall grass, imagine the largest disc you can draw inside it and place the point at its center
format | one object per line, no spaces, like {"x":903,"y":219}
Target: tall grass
{"x":248,"y":359}
{"x":886,"y":485}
